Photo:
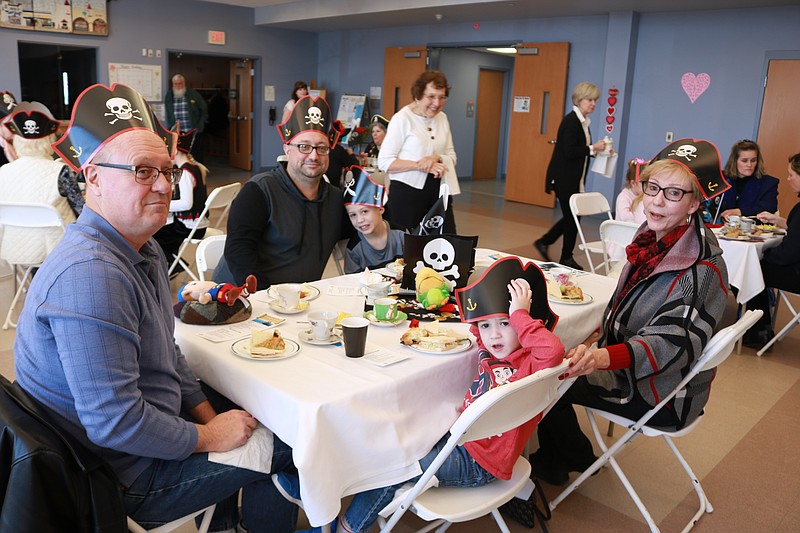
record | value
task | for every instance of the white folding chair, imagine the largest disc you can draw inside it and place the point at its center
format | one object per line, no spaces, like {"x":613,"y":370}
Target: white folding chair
{"x":219,"y":198}
{"x":719,"y":347}
{"x":208,"y":513}
{"x":39,"y":221}
{"x":586,"y":204}
{"x":208,"y":254}
{"x":500,"y":409}
{"x":615,"y":236}
{"x":792,"y":323}
{"x":338,"y":255}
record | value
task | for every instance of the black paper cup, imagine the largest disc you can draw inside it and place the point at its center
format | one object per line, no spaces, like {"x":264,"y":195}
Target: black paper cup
{"x":354,"y":335}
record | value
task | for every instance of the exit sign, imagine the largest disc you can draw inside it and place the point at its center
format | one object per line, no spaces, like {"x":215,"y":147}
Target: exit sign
{"x":216,"y":37}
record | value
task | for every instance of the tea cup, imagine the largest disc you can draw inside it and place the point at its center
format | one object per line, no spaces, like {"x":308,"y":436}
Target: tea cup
{"x":386,"y":309}
{"x":289,"y":295}
{"x":322,"y":323}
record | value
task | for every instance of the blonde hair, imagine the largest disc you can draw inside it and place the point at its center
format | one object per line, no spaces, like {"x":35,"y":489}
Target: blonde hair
{"x":585,"y":91}
{"x":35,"y":147}
{"x":670,"y":166}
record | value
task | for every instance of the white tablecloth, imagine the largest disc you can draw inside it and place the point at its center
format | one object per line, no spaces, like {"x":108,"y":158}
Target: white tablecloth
{"x":743,"y":259}
{"x":353,"y":425}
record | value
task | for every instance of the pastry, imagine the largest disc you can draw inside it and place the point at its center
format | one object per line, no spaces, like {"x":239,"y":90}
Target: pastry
{"x":266,"y":342}
{"x":571,"y":292}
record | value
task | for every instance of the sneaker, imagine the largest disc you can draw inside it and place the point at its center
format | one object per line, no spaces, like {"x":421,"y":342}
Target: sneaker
{"x":757,"y":338}
{"x":541,"y":248}
{"x":570,"y":262}
{"x":318,"y":529}
{"x":288,"y":484}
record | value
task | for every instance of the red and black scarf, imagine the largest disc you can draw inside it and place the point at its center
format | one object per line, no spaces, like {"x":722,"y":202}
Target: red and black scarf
{"x":646,"y":252}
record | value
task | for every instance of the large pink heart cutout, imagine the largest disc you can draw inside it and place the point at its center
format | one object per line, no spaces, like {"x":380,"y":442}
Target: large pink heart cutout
{"x":694,"y":86}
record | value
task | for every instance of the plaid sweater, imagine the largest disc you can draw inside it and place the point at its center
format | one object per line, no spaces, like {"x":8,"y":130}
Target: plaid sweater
{"x":664,"y":323}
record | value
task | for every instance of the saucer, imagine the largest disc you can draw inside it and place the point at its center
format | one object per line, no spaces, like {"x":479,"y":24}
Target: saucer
{"x":307,"y":336}
{"x":276,"y":306}
{"x":370,"y":315}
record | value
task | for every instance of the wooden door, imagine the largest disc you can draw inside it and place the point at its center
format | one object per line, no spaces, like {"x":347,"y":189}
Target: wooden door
{"x":401,"y":66}
{"x":777,"y":129}
{"x":540,"y":74}
{"x":487,"y":124}
{"x":240,"y":116}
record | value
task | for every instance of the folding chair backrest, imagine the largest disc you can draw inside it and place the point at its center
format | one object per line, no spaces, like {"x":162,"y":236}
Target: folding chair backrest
{"x":589,"y":203}
{"x":721,"y":345}
{"x":208,"y":254}
{"x":219,"y":198}
{"x":29,"y":215}
{"x":618,"y":232}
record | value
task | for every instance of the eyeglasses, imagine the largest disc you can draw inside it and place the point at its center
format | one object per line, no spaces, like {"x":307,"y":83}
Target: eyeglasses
{"x":308,"y":148}
{"x":673,"y":194}
{"x":147,"y":175}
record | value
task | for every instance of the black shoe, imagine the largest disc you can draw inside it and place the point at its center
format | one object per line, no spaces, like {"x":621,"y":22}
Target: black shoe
{"x":570,"y":262}
{"x":756,"y":339}
{"x":541,"y":248}
{"x":548,"y":471}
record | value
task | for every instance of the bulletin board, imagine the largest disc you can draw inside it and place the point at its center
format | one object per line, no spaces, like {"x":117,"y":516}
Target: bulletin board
{"x":146,"y":79}
{"x":352,"y":108}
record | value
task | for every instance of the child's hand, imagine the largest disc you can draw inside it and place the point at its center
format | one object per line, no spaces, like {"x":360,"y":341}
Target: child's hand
{"x":521,"y":295}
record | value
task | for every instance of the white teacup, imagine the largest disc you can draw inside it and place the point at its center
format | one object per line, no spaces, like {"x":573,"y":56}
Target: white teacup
{"x":376,"y":291}
{"x":322,"y":323}
{"x":289,"y":295}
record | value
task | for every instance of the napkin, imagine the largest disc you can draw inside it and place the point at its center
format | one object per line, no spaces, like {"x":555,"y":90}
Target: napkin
{"x":255,"y":454}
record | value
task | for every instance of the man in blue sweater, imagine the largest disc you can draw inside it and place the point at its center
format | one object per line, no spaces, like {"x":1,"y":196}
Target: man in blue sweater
{"x":95,"y":339}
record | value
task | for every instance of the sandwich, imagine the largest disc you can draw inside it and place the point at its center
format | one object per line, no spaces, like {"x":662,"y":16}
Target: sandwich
{"x":571,"y":292}
{"x":432,"y":338}
{"x":266,"y":343}
{"x":439,"y":343}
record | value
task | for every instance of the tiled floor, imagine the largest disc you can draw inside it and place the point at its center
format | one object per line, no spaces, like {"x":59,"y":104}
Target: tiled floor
{"x":745,"y":451}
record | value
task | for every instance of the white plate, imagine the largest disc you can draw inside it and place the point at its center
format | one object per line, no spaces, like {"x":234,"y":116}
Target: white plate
{"x":462,"y":345}
{"x":586,"y":299}
{"x":241,"y":348}
{"x":312,"y":293}
{"x":306,"y":336}
{"x":276,"y":306}
{"x":370,"y":315}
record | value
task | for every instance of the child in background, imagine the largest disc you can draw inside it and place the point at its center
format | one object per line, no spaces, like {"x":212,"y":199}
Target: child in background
{"x":516,"y":336}
{"x":376,"y":243}
{"x":629,"y":200}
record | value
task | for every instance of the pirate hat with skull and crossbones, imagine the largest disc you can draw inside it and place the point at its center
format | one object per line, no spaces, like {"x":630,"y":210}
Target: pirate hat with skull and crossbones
{"x":309,"y":114}
{"x":701,"y":158}
{"x":360,"y":189}
{"x":101,"y":114}
{"x":31,"y":120}
{"x":185,"y":139}
{"x":488,"y":297}
{"x":7,"y":103}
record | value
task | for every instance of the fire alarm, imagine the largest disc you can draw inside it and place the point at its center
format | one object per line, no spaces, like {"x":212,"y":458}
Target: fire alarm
{"x":476,"y":25}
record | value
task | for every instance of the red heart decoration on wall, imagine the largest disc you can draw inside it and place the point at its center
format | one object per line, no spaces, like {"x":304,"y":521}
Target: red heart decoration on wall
{"x":612,"y":110}
{"x":610,"y":119}
{"x":612,"y":100}
{"x":609,"y":128}
{"x":613,"y":91}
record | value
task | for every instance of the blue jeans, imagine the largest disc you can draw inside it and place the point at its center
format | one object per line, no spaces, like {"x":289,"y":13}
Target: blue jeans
{"x":168,"y":490}
{"x":458,"y":470}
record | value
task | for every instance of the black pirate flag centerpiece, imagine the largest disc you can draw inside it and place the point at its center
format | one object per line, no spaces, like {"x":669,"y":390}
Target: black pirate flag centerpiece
{"x":31,"y":120}
{"x":309,"y":114}
{"x":7,"y":103}
{"x":701,"y":158}
{"x":452,"y":256}
{"x":360,"y":189}
{"x":488,"y":296}
{"x":433,"y":221}
{"x":100,"y":115}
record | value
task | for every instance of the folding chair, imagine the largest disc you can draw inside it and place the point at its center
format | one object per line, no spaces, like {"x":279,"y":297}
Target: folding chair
{"x":585,"y":204}
{"x":719,"y":347}
{"x":221,"y":197}
{"x":501,"y":409}
{"x":615,"y":236}
{"x":792,"y":323}
{"x":207,"y":513}
{"x":338,"y":255}
{"x":208,"y":254}
{"x":40,"y":221}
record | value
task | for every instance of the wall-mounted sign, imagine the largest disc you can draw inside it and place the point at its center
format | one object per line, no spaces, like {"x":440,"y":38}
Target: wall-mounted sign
{"x":216,"y":37}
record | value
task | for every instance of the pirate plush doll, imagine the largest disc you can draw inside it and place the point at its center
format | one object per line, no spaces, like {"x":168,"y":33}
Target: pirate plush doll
{"x":375,"y":243}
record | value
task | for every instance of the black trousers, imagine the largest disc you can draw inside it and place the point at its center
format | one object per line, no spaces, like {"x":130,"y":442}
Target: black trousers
{"x":408,"y":205}
{"x":783,"y":277}
{"x":565,"y":227}
{"x":561,"y":440}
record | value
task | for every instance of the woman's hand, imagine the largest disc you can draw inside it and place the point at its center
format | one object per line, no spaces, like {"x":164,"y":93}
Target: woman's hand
{"x":521,"y":295}
{"x":431,"y":164}
{"x":771,"y":218}
{"x":599,"y":146}
{"x":584,"y":360}
{"x":736,"y":212}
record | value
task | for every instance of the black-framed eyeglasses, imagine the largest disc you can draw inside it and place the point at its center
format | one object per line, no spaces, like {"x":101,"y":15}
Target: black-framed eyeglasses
{"x":145,"y":174}
{"x":673,"y":194}
{"x":308,"y":148}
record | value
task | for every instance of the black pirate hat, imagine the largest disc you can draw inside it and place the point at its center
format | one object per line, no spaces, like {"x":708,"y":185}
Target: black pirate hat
{"x":100,"y":114}
{"x":360,"y":189}
{"x":309,"y":114}
{"x":379,"y":119}
{"x":7,"y":103}
{"x":186,"y":140}
{"x":31,"y":120}
{"x":701,"y":158}
{"x":488,"y":296}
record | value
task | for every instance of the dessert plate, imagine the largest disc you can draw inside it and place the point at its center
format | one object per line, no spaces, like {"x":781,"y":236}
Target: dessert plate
{"x":241,"y":348}
{"x":311,"y":292}
{"x":370,"y":315}
{"x":586,"y":299}
{"x":276,"y":306}
{"x":462,"y":345}
{"x":307,"y":336}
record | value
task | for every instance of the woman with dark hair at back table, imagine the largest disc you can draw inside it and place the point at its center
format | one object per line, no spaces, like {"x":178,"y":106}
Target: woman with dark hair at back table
{"x":299,"y":90}
{"x":780,"y":264}
{"x":567,"y":169}
{"x":753,"y":191}
{"x":418,"y":155}
{"x":377,"y":127}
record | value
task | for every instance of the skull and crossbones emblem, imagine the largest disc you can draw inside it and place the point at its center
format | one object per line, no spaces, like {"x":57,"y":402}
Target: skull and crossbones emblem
{"x":349,"y":181}
{"x":433,"y":223}
{"x":30,"y":127}
{"x":686,"y":151}
{"x":440,"y":255}
{"x":8,"y":102}
{"x":121,"y":109}
{"x":315,"y":116}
